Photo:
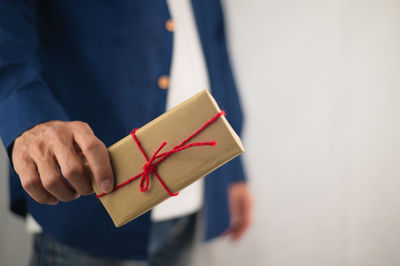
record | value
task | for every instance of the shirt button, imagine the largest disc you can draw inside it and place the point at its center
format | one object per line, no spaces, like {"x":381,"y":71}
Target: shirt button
{"x":163,"y":82}
{"x":170,"y":25}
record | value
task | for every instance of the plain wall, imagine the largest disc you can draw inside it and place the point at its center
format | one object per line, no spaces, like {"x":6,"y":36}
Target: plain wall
{"x":319,"y":81}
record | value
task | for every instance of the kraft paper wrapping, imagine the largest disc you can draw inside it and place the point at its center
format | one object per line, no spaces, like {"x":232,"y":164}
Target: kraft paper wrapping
{"x":180,"y":169}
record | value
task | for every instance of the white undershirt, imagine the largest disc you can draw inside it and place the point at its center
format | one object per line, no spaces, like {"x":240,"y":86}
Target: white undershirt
{"x":188,"y":76}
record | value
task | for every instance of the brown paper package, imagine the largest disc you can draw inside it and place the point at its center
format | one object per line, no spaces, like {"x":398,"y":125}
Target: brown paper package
{"x":181,"y":168}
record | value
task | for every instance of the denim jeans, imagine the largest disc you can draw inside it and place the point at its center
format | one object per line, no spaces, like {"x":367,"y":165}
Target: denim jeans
{"x":171,"y":244}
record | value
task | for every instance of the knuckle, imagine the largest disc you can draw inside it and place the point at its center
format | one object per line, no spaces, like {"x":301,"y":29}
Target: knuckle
{"x":72,"y":170}
{"x":82,"y":125}
{"x":52,"y":131}
{"x":30,"y":184}
{"x":38,"y":149}
{"x":50,"y":183}
{"x":20,"y":156}
{"x":92,"y":145}
{"x":54,"y":134}
{"x":35,"y":147}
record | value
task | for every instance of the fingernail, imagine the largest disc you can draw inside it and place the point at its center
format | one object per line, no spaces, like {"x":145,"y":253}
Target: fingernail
{"x":106,"y":186}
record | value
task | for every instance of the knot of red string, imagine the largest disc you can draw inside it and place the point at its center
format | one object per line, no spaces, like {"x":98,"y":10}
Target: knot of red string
{"x":150,"y":167}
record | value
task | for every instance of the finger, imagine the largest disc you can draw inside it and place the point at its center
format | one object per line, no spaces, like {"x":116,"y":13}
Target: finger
{"x":72,"y":168}
{"x":53,"y":182}
{"x":240,"y":218}
{"x":235,"y":221}
{"x":30,"y":181}
{"x":239,"y":230}
{"x":227,"y":232}
{"x":234,"y":230}
{"x":247,"y":211}
{"x":97,"y":157}
{"x":242,"y":222}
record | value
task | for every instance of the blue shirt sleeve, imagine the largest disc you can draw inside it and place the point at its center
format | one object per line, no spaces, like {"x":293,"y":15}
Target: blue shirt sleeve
{"x":25,"y":99}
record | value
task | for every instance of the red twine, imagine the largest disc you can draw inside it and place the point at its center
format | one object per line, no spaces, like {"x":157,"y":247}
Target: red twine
{"x":151,"y":165}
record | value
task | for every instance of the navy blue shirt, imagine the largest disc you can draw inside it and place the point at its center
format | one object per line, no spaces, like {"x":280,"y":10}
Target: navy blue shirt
{"x":96,"y":61}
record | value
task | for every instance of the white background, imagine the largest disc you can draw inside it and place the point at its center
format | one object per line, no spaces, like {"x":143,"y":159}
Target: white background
{"x":319,"y":80}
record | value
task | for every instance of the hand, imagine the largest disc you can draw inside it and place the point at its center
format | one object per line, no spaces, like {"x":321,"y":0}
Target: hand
{"x":40,"y":152}
{"x":240,"y":205}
